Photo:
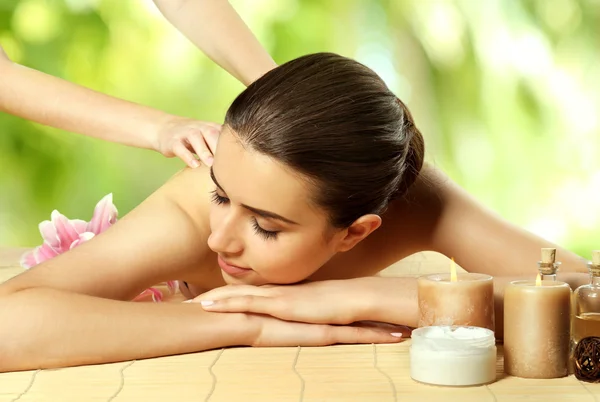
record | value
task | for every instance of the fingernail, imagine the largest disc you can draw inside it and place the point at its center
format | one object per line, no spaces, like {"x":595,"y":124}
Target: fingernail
{"x":205,"y":303}
{"x":209,"y":160}
{"x":396,"y":334}
{"x":188,"y":301}
{"x":194,"y":163}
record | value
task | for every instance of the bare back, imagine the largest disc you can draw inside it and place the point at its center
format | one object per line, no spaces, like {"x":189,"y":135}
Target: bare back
{"x":165,"y":238}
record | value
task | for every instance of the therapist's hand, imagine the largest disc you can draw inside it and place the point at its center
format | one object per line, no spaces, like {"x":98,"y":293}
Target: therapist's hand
{"x":182,"y":137}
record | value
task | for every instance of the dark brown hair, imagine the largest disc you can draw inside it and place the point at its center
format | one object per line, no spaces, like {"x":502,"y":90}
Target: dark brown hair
{"x":333,"y":120}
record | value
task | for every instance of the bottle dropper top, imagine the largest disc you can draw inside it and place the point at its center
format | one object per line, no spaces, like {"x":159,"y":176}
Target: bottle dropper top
{"x":548,"y":265}
{"x":594,"y":265}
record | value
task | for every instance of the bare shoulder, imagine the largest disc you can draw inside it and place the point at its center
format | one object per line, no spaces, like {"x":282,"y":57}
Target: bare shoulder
{"x":161,"y":239}
{"x":190,"y":190}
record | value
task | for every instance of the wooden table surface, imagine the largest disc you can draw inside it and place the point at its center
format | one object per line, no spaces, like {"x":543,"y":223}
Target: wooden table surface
{"x":370,"y":373}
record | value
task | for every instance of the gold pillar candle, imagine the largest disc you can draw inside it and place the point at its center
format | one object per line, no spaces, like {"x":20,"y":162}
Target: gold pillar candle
{"x":537,"y":329}
{"x":456,"y":299}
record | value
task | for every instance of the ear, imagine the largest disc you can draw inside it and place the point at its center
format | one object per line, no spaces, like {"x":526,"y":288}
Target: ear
{"x":359,"y":230}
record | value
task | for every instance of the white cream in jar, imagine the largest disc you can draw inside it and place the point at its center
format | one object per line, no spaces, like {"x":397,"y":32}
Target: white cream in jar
{"x":453,"y":355}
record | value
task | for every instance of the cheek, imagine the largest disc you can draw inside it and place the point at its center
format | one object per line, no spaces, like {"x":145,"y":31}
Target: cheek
{"x":288,"y":262}
{"x":216,"y":215}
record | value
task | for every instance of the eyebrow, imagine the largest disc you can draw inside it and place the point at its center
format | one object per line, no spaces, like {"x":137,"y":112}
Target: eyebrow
{"x":260,"y":212}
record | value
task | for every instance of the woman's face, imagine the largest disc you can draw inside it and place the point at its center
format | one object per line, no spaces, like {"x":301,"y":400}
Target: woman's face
{"x":262,"y":219}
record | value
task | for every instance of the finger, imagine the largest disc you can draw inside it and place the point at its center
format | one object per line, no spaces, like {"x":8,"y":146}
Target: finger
{"x":201,"y":148}
{"x":406,"y":331}
{"x":211,"y":137}
{"x":351,"y":335}
{"x":245,"y":304}
{"x":181,"y":151}
{"x":225,"y":292}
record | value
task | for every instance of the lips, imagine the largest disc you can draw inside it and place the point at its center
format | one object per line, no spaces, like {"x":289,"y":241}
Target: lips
{"x":232,"y":269}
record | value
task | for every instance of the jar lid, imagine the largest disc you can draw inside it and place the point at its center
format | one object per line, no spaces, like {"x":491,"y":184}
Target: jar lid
{"x":453,"y":338}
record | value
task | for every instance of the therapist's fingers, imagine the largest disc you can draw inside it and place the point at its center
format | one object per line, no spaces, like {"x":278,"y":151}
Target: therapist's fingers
{"x":201,"y":148}
{"x":183,"y":153}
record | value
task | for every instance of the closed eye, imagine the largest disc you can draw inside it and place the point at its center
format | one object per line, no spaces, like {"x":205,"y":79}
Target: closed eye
{"x":266,"y":234}
{"x":218,"y":199}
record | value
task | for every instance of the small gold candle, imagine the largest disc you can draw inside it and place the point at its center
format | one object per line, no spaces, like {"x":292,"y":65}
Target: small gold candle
{"x":537,"y":328}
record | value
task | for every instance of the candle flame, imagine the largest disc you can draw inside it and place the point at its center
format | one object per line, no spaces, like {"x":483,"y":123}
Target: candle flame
{"x":538,"y":280}
{"x":452,"y":271}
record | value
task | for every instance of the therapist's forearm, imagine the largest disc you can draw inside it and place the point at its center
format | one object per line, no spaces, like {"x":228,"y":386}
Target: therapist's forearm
{"x":54,"y":102}
{"x":219,"y":32}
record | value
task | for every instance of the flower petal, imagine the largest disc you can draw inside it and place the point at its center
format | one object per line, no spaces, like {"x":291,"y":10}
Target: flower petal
{"x":49,"y":234}
{"x":85,"y":236}
{"x":39,"y":258}
{"x":46,"y":252}
{"x":79,"y":225}
{"x":65,"y":230}
{"x":28,"y":259}
{"x":153,"y":293}
{"x":105,"y":215}
{"x":38,"y":255}
{"x":172,"y":286}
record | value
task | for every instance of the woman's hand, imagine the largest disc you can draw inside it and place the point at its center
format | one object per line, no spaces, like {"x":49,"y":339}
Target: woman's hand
{"x":323,"y":302}
{"x":184,"y":137}
{"x":276,"y":332}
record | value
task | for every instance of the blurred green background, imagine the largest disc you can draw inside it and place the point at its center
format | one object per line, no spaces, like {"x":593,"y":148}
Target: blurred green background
{"x":507,"y":94}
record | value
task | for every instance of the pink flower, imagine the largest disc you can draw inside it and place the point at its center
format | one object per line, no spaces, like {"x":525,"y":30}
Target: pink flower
{"x":61,"y":234}
{"x":155,"y":294}
{"x":105,"y":215}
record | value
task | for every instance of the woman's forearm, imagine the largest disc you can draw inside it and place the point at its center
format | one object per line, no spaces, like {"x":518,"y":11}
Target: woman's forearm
{"x":219,"y":32}
{"x":388,"y":299}
{"x":46,"y":328}
{"x":54,"y":102}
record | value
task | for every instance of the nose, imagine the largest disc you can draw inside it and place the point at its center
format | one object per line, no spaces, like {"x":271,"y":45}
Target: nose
{"x":224,"y":238}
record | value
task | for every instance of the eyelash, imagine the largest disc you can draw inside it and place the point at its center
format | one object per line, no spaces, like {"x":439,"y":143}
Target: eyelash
{"x":265,"y":234}
{"x":217,"y":199}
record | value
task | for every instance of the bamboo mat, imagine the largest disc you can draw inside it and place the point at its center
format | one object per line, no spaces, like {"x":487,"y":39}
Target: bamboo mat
{"x":335,"y":373}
